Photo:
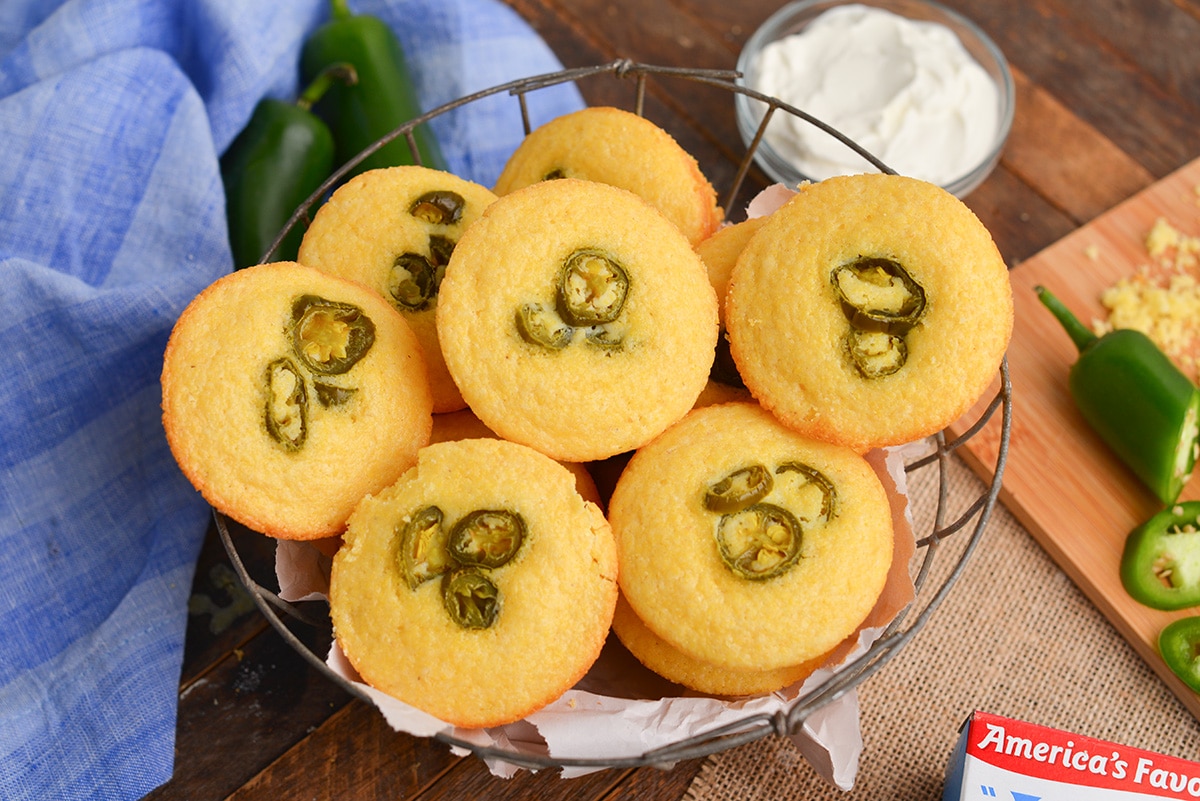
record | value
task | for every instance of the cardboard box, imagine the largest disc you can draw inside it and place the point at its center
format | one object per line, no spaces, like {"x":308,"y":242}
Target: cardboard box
{"x":1009,"y":760}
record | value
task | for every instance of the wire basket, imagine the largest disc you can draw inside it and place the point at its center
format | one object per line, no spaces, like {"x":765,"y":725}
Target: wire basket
{"x":955,"y":524}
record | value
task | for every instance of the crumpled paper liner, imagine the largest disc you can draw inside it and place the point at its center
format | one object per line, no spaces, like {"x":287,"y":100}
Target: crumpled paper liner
{"x":622,"y":710}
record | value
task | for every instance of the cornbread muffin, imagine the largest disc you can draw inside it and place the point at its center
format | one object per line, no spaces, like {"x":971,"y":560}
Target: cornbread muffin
{"x":703,"y":677}
{"x":715,"y":392}
{"x":479,"y":587}
{"x":393,"y":230}
{"x":869,"y":310}
{"x":747,"y":545}
{"x":720,"y":253}
{"x":289,"y":394}
{"x":721,"y":250}
{"x":620,"y":148}
{"x":463,"y":424}
{"x":577,"y":320}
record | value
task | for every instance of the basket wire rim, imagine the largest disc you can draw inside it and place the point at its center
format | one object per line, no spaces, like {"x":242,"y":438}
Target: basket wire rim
{"x":850,"y":675}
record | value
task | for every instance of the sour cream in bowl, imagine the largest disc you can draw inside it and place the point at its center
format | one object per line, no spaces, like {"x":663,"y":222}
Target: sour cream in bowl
{"x":919,"y":87}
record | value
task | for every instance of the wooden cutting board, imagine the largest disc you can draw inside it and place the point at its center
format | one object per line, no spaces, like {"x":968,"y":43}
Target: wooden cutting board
{"x":1061,"y":482}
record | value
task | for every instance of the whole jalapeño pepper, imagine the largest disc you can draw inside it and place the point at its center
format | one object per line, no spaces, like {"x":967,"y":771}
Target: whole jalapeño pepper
{"x":1179,"y":644}
{"x":280,"y":158}
{"x":1136,"y":399}
{"x":383,"y":98}
{"x":1160,"y":566}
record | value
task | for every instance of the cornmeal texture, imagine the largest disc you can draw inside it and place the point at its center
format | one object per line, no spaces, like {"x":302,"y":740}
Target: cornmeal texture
{"x":556,"y":594}
{"x":463,"y":424}
{"x":579,"y":399}
{"x":672,"y":571}
{"x":357,"y":429}
{"x":790,"y":334}
{"x":703,"y":677}
{"x":620,"y":148}
{"x":720,"y":254}
{"x":373,"y":230}
{"x":721,"y":250}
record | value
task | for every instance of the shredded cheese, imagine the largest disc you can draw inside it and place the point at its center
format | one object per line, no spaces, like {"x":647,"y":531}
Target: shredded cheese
{"x":1161,"y":298}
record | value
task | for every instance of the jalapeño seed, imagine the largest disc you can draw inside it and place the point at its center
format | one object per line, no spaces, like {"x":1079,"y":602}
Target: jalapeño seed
{"x":743,"y":487}
{"x":470,"y":598}
{"x":759,"y":542}
{"x":286,"y":413}
{"x":329,"y":337}
{"x":486,"y":538}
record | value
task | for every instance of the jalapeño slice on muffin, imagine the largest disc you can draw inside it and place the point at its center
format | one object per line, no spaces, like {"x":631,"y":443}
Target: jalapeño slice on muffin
{"x":759,"y":540}
{"x":589,"y":295}
{"x":472,"y":600}
{"x":482,"y":540}
{"x":327,"y":339}
{"x":330,"y":337}
{"x":869,"y":310}
{"x":882,"y":303}
{"x":416,"y":275}
{"x":395,"y":230}
{"x":577,"y":320}
{"x":286,"y":414}
{"x":475,"y":596}
{"x":288,"y":394}
{"x":746,"y":544}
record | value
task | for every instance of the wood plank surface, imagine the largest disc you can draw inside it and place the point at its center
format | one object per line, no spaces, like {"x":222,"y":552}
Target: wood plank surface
{"x":1061,"y":481}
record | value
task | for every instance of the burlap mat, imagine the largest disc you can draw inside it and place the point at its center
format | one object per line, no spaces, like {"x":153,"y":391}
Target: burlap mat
{"x":1015,"y":637}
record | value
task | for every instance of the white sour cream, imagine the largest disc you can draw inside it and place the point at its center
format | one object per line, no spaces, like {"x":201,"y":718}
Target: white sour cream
{"x":908,"y":92}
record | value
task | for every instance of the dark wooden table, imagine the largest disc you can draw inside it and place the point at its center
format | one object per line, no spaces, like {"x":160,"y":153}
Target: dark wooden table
{"x":1108,"y":102}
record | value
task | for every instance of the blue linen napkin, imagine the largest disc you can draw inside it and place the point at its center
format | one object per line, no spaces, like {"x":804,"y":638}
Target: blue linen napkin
{"x":113,"y":114}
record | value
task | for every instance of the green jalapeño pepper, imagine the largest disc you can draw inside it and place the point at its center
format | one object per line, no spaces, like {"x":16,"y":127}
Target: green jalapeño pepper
{"x":280,"y":158}
{"x":1179,"y":644}
{"x":383,"y":99}
{"x":1136,"y":399}
{"x":1160,"y":566}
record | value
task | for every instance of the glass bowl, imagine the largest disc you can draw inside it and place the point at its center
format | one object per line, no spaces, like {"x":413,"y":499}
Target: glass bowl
{"x":778,"y":158}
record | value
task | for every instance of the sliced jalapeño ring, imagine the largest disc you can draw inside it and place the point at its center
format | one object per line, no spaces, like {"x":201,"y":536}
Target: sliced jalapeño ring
{"x":470,"y":598}
{"x":286,"y":413}
{"x":330,"y":337}
{"x":878,"y":294}
{"x":759,"y":542}
{"x":439,"y":207}
{"x":486,"y":538}
{"x":739,"y":489}
{"x":592,"y":288}
{"x":422,"y":545}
